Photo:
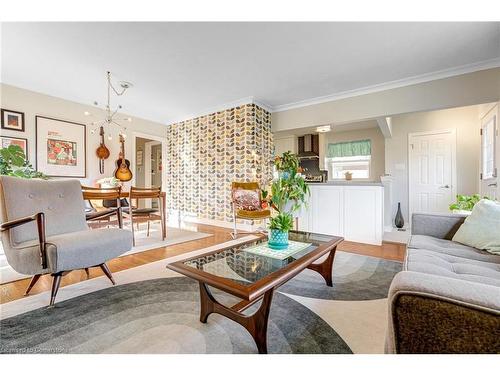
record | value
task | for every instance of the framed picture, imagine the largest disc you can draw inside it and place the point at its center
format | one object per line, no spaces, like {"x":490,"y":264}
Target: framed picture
{"x":12,"y":120}
{"x":21,"y":142}
{"x":60,"y":147}
{"x":138,"y":158}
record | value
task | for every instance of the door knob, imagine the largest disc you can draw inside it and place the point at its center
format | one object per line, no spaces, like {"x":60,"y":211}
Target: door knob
{"x":445,"y":187}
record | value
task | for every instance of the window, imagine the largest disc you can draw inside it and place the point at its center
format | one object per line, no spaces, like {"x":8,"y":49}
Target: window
{"x":353,"y":157}
{"x":488,"y":167}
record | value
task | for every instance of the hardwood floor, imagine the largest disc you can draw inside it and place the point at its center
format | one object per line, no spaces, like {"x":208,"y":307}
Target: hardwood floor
{"x":15,"y":290}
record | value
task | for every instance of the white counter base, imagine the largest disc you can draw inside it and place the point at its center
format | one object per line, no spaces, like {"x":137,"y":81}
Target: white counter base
{"x":353,"y":212}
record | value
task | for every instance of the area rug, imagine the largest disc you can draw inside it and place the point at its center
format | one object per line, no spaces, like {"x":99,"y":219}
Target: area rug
{"x":155,"y":310}
{"x":142,"y":243}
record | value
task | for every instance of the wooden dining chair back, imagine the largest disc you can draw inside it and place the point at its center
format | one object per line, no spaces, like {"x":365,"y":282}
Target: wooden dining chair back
{"x":109,"y":194}
{"x":146,"y":214}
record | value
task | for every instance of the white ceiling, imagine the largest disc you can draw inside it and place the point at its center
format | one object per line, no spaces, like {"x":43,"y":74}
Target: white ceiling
{"x":185,"y":69}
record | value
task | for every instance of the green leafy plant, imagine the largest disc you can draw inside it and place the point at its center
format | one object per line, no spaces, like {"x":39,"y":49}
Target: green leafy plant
{"x":466,"y":202}
{"x":282,"y":222}
{"x":288,"y":192}
{"x":13,"y":163}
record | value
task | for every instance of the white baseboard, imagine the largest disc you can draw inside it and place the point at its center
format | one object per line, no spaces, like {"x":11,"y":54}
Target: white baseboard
{"x":174,"y":218}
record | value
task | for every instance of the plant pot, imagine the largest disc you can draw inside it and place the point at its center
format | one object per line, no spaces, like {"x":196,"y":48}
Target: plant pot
{"x":278,"y":239}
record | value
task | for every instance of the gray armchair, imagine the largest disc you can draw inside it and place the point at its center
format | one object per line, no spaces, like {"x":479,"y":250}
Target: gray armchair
{"x":44,"y":231}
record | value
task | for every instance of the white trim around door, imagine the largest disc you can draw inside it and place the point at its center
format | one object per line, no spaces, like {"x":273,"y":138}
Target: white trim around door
{"x":163,"y":142}
{"x":411,"y":139}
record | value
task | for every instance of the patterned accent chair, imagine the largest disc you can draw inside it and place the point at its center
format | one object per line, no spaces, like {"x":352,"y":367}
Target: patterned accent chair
{"x":246,"y":203}
{"x":44,"y":231}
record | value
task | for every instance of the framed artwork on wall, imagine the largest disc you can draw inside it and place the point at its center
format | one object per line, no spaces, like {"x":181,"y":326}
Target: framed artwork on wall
{"x":138,"y":158}
{"x":60,"y":147}
{"x":21,"y":142}
{"x":12,"y":120}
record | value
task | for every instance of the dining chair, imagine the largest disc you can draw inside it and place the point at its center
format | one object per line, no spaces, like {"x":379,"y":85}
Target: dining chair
{"x":146,"y":214}
{"x":99,"y":218}
{"x":44,"y":231}
{"x":246,"y":203}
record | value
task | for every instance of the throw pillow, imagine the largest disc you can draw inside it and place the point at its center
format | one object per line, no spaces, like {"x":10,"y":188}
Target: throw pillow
{"x":248,"y":200}
{"x":482,"y":228}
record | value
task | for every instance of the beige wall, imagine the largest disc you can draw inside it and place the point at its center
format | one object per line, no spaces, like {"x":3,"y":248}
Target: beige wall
{"x":373,"y":134}
{"x":467,"y":89}
{"x":466,"y":122}
{"x":32,"y":104}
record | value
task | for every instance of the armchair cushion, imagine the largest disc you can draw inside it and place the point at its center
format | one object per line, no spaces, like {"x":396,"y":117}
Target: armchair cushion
{"x":253,"y":215}
{"x":248,"y":200}
{"x":70,"y":251}
{"x":60,"y":200}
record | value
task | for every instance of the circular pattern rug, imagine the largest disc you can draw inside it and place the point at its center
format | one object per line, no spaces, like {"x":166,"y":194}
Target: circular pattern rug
{"x":160,"y":316}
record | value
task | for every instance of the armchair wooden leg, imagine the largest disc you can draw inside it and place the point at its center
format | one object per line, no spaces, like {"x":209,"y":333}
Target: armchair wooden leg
{"x":87,"y":272}
{"x":33,"y":281}
{"x":107,"y":272}
{"x":235,"y":231}
{"x":56,"y":281}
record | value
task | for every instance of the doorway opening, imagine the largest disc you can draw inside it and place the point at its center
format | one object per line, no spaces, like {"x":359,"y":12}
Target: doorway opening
{"x":149,"y":155}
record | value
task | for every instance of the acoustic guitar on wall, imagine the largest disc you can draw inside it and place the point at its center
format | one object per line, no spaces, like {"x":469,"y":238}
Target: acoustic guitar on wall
{"x":102,"y":151}
{"x":122,"y":171}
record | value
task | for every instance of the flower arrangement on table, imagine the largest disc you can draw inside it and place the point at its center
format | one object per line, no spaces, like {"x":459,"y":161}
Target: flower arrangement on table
{"x":289,"y":193}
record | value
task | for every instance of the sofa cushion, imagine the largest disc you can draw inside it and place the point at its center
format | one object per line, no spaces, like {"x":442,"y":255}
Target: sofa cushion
{"x":71,"y":250}
{"x":451,"y":248}
{"x":441,"y":264}
{"x":482,"y":228}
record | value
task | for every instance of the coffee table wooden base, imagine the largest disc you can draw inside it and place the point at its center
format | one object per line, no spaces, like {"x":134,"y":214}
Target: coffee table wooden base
{"x":256,"y":324}
{"x":325,"y":269}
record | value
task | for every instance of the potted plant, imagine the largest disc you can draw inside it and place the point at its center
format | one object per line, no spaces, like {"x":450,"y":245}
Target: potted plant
{"x":289,"y":193}
{"x":13,"y":163}
{"x":465,"y":203}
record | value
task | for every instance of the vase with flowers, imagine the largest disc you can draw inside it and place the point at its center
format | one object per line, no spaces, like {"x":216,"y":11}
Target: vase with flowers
{"x":289,"y":193}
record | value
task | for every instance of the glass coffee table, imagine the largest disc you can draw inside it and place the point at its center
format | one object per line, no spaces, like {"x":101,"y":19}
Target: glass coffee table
{"x":251,"y":272}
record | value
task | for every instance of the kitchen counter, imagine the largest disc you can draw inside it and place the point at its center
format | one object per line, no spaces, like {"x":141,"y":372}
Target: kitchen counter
{"x":346,"y":183}
{"x":350,"y":209}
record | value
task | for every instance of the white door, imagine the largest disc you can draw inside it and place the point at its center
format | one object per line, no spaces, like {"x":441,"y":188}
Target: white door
{"x":490,"y":154}
{"x":432,"y":171}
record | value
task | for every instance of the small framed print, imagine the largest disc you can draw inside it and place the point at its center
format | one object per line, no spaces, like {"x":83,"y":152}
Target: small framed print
{"x":138,"y":158}
{"x":60,"y":147}
{"x":12,"y":120}
{"x":9,"y":141}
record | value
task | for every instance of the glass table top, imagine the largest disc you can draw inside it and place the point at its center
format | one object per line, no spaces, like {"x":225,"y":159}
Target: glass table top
{"x":244,"y":267}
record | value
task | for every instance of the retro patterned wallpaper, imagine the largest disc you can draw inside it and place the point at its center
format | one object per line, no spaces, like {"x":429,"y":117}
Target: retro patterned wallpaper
{"x":207,"y":153}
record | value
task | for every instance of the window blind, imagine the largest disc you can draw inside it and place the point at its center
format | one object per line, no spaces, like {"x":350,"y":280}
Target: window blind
{"x":353,"y":148}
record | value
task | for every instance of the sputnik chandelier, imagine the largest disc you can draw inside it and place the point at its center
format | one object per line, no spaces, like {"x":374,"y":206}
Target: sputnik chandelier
{"x":111,"y":115}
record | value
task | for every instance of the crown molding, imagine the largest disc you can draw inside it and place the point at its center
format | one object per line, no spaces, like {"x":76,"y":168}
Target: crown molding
{"x":446,"y":73}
